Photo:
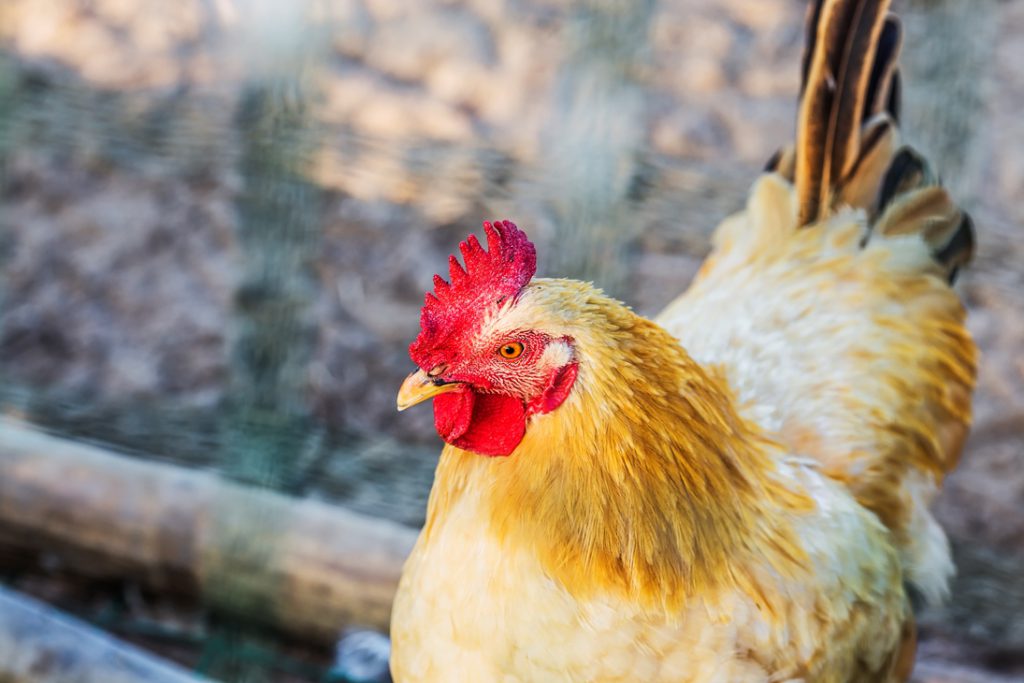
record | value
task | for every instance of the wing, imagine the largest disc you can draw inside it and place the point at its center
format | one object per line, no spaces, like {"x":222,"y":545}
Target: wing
{"x":828,"y":299}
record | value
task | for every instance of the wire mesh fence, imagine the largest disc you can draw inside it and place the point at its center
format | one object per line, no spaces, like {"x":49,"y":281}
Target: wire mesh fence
{"x":218,"y":220}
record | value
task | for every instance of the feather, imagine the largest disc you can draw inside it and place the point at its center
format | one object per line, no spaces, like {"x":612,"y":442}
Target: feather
{"x":860,"y":186}
{"x":959,"y":248}
{"x":946,"y":229}
{"x":907,"y":171}
{"x":885,"y":72}
{"x":844,"y":45}
{"x":847,"y":148}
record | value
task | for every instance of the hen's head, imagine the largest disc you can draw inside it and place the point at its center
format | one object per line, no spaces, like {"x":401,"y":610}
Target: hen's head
{"x":484,"y":353}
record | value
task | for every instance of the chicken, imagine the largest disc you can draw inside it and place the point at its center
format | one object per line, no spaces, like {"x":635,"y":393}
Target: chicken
{"x":737,"y":490}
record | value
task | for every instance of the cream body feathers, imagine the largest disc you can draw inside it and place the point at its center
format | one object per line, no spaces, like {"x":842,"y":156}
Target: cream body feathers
{"x":861,"y":361}
{"x":496,"y":615}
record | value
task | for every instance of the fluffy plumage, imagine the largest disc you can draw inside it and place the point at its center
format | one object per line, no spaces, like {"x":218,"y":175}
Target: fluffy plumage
{"x":738,"y":490}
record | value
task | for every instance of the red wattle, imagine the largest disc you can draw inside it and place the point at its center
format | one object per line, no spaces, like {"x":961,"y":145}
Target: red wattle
{"x":452,"y":414}
{"x":488,"y":424}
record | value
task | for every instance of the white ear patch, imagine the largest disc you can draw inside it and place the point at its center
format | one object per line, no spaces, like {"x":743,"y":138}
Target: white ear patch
{"x":557,"y":354}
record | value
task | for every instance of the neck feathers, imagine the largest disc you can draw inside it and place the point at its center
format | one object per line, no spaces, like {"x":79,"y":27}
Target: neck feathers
{"x":645,"y":482}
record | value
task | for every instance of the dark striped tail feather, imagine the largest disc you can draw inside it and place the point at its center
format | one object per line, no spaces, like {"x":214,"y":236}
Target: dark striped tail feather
{"x":912,"y":201}
{"x":847,"y":150}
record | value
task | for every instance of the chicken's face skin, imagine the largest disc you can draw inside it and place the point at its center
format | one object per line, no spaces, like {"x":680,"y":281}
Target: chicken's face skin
{"x":486,"y":390}
{"x":483,"y":354}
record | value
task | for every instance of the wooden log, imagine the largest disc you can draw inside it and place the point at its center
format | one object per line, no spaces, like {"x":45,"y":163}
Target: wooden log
{"x":39,"y":644}
{"x":301,"y":565}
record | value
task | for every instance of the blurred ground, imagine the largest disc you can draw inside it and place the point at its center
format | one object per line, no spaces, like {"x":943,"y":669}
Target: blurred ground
{"x":121,"y":231}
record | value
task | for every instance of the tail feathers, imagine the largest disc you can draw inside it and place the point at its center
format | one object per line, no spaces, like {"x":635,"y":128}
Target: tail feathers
{"x":948,"y":231}
{"x":883,"y":94}
{"x":782,"y":162}
{"x":861,"y":184}
{"x":911,"y":201}
{"x":958,"y":249}
{"x":844,"y":39}
{"x":847,"y":150}
{"x":907,"y":171}
{"x":849,"y":107}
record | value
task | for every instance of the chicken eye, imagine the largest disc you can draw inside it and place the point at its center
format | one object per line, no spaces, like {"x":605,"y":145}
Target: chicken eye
{"x":511,"y":350}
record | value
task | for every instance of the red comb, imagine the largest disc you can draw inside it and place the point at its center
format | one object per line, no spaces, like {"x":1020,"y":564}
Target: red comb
{"x":488,"y":277}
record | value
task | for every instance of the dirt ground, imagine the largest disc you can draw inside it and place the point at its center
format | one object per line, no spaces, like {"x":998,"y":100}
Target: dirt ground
{"x":121,"y":227}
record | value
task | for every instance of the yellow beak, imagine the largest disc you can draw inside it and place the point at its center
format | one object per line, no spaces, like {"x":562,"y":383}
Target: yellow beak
{"x":418,"y":387}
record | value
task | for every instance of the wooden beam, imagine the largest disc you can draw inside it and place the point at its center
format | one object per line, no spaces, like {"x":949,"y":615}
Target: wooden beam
{"x":304,"y":566}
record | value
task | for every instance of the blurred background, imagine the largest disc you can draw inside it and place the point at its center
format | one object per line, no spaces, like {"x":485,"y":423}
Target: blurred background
{"x":217,"y":221}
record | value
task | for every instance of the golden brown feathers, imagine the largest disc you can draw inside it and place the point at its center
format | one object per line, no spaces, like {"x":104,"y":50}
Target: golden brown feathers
{"x":647,"y":482}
